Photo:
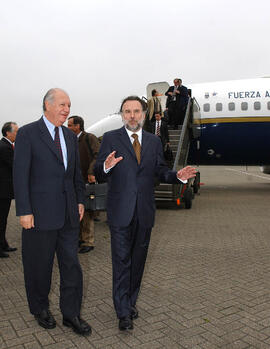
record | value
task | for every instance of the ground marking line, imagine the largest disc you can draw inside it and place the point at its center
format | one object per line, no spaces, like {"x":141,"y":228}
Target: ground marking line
{"x":247,"y":173}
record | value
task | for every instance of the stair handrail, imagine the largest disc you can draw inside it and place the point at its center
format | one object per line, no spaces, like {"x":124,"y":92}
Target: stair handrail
{"x":183,"y":133}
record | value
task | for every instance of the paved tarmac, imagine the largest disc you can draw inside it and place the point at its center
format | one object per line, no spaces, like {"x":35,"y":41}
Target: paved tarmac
{"x":206,"y":282}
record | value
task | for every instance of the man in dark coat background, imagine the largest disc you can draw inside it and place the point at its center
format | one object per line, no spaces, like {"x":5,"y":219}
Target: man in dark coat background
{"x":88,"y":150}
{"x":129,"y":158}
{"x":49,"y":193}
{"x":177,"y":103}
{"x":9,"y":131}
{"x":160,"y":129}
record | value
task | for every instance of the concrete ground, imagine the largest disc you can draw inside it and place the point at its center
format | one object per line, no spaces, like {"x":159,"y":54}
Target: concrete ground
{"x":206,"y":282}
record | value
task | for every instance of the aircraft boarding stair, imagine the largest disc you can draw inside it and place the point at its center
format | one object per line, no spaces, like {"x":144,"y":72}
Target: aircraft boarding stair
{"x":179,"y":194}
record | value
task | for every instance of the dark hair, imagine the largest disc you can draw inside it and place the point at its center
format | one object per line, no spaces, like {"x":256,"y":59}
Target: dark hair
{"x":77,"y":120}
{"x":134,"y":98}
{"x":7,"y":127}
{"x":153,"y":92}
{"x":179,"y":80}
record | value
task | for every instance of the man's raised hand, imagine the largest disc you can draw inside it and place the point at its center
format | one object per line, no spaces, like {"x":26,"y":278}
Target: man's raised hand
{"x":111,"y":160}
{"x":186,"y":173}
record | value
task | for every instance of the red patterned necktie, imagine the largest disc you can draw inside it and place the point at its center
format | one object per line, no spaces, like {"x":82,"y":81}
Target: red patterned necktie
{"x":158,"y":129}
{"x":57,"y":142}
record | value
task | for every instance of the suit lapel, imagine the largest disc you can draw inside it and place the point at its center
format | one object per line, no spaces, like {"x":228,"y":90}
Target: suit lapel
{"x":7,"y":143}
{"x":47,"y":138}
{"x":145,"y":143}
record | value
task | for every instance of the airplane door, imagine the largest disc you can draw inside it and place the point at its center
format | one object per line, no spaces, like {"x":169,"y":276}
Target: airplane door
{"x":196,"y":119}
{"x":161,"y":87}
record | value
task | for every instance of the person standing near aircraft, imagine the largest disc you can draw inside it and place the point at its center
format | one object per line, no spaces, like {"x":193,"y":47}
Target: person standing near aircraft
{"x":129,"y":158}
{"x":49,"y":193}
{"x":88,"y":150}
{"x":9,"y":131}
{"x":160,"y":129}
{"x":177,"y":100}
{"x":154,"y":106}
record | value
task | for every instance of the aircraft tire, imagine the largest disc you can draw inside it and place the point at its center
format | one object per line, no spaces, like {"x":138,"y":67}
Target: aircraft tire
{"x":188,"y":195}
{"x":196,"y":184}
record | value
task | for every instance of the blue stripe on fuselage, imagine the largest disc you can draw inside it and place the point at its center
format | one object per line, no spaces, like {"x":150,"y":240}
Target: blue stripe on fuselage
{"x":238,"y":143}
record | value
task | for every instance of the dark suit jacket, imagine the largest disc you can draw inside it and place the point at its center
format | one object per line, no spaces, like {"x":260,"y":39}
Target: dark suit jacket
{"x":88,"y":156}
{"x":164,"y":133}
{"x":181,"y":99}
{"x":42,"y":185}
{"x":6,"y":164}
{"x":131,"y":186}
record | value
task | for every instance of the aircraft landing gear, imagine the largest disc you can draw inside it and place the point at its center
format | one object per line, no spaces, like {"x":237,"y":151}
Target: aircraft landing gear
{"x":196,"y":184}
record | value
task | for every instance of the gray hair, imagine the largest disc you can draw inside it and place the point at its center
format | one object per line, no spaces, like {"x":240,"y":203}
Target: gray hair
{"x":49,"y":96}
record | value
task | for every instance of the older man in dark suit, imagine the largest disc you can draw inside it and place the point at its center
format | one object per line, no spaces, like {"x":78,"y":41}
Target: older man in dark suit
{"x":129,"y":159}
{"x":9,"y":131}
{"x":49,"y":193}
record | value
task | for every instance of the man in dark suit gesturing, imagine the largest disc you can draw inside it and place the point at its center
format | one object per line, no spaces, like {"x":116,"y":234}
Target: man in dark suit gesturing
{"x":177,"y":100}
{"x":49,"y":193}
{"x":9,"y":131}
{"x":129,"y":158}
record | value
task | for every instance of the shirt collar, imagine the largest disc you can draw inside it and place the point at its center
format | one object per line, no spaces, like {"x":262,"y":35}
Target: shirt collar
{"x":49,"y":125}
{"x":139,"y":133}
{"x":78,"y":135}
{"x":8,"y":140}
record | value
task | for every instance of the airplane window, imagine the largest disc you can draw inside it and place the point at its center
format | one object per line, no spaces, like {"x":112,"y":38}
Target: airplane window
{"x":244,"y":106}
{"x":219,"y":107}
{"x":268,"y":105}
{"x":257,"y":105}
{"x":231,"y":106}
{"x":206,"y":107}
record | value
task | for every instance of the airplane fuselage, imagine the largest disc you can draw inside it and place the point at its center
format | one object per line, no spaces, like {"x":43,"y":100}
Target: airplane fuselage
{"x":234,"y":122}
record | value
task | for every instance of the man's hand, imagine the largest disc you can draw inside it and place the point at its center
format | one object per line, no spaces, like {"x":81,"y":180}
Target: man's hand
{"x":91,"y":179}
{"x":186,"y":173}
{"x":81,"y":210}
{"x":27,"y":221}
{"x":178,"y":92}
{"x":111,"y":160}
{"x":170,"y":93}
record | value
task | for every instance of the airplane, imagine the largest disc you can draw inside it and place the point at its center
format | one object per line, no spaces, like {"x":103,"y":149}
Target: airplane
{"x":231,"y":122}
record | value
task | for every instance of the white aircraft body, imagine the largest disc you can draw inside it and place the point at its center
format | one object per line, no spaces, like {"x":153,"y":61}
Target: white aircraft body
{"x":232,"y":119}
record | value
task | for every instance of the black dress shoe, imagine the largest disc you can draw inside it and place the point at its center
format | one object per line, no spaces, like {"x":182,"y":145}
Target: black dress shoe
{"x":78,"y":325}
{"x":134,"y":314}
{"x":80,"y":242}
{"x":9,"y":249}
{"x":3,"y":254}
{"x":45,"y":319}
{"x":85,"y":249}
{"x":125,"y":323}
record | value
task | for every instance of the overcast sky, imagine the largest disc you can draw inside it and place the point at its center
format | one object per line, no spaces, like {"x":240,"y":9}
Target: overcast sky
{"x":100,"y":51}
